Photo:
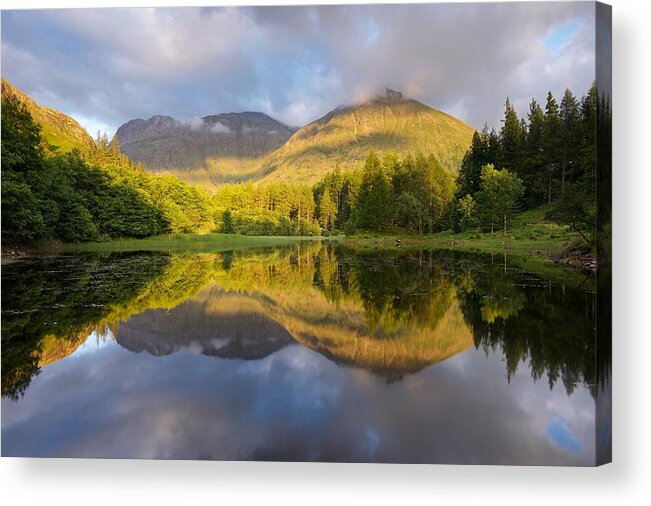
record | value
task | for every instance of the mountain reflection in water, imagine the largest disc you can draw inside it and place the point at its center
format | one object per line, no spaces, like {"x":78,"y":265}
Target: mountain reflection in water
{"x":302,"y":353}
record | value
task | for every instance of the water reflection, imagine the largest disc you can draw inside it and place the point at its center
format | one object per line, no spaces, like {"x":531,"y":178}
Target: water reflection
{"x":301,"y":353}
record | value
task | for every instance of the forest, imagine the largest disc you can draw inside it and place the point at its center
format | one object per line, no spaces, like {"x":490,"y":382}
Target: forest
{"x":546,"y":160}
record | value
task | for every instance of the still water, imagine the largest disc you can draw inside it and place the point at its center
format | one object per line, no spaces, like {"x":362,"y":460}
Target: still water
{"x":309,"y":352}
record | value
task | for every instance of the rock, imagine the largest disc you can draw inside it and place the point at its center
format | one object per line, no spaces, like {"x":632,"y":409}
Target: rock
{"x":163,"y":142}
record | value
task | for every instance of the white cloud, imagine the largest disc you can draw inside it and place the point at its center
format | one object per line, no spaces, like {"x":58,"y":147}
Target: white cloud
{"x":296,"y":63}
{"x":220,"y":128}
{"x":94,"y":125}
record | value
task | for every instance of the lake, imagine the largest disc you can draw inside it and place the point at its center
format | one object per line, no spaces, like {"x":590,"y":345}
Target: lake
{"x":308,"y":352}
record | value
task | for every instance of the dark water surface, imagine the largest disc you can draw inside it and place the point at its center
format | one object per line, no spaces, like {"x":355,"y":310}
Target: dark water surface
{"x":302,"y":353}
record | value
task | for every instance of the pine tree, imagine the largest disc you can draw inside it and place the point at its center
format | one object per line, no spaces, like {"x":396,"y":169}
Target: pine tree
{"x":327,"y":210}
{"x":551,"y":142}
{"x":227,"y":222}
{"x":534,"y":157}
{"x":470,"y":171}
{"x":587,"y":151}
{"x":373,"y":206}
{"x":510,"y":138}
{"x":494,"y":148}
{"x":570,"y":136}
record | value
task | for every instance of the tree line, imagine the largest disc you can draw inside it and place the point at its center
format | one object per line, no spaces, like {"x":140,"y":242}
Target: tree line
{"x":87,"y":194}
{"x":553,"y":152}
{"x":546,"y":159}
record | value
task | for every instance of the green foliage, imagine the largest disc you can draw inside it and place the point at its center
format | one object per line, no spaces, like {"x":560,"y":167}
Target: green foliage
{"x":571,"y":210}
{"x":372,"y":209}
{"x":327,"y":210}
{"x":498,"y":196}
{"x":86,"y":194}
{"x":22,"y":221}
{"x":408,"y":212}
{"x":467,"y":212}
{"x":21,"y":139}
{"x":227,"y":222}
{"x":59,"y":133}
{"x":511,"y":136}
{"x":95,"y":192}
{"x":274,"y":209}
{"x":554,"y":155}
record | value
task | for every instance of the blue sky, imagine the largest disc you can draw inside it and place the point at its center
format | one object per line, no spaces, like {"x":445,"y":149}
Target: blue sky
{"x":107,"y":66}
{"x":561,"y":35}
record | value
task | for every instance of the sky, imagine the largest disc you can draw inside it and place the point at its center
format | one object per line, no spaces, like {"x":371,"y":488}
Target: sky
{"x":107,"y":66}
{"x":295,"y":404}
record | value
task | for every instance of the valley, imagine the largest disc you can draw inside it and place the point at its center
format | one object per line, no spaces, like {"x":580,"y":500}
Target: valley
{"x":388,"y":172}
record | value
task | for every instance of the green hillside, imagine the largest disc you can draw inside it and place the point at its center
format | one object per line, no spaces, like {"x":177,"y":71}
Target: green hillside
{"x":60,"y":132}
{"x":343,"y":137}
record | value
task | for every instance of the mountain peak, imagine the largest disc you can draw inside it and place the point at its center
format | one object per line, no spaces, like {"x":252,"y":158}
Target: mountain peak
{"x":392,"y":95}
{"x":389,"y":96}
{"x":167,"y":143}
{"x":344,"y":136}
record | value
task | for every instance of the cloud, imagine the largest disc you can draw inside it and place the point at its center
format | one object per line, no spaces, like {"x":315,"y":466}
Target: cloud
{"x":220,"y":128}
{"x":297,"y":63}
{"x":294,"y":404}
{"x":194,"y":123}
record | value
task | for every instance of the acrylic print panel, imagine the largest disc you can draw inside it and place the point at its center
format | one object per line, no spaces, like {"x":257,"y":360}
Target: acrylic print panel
{"x":370,"y":233}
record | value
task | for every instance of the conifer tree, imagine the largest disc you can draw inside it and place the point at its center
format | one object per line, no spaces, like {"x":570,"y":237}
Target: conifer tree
{"x":534,"y":156}
{"x":551,"y":143}
{"x":510,"y":138}
{"x":570,"y":137}
{"x":373,"y":206}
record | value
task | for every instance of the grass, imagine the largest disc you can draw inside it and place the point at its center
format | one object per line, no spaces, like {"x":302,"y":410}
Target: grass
{"x":192,"y":243}
{"x":528,"y":234}
{"x":530,"y":241}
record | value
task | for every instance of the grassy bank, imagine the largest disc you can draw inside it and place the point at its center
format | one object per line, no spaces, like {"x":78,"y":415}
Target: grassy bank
{"x":193,"y":243}
{"x":528,"y":235}
{"x":475,"y":241}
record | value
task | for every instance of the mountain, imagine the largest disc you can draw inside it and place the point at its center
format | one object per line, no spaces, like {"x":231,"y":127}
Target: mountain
{"x":243,"y":334}
{"x":61,"y":132}
{"x":224,"y":147}
{"x":343,"y":137}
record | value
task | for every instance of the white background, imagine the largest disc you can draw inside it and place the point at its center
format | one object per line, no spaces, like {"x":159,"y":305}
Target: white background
{"x":626,"y":481}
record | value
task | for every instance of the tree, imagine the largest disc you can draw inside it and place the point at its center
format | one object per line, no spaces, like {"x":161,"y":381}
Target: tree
{"x":533,"y":163}
{"x":227,"y":222}
{"x":466,"y":212}
{"x":498,"y":196}
{"x":408,"y":211}
{"x":510,"y":138}
{"x":327,"y":210}
{"x":22,"y":221}
{"x":571,"y":210}
{"x":570,"y":115}
{"x":551,"y":142}
{"x":588,"y":142}
{"x":373,"y":206}
{"x":474,"y":159}
{"x":21,"y":139}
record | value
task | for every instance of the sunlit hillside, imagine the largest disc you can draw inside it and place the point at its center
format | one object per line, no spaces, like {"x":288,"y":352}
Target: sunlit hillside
{"x":343,"y":137}
{"x":61,"y":132}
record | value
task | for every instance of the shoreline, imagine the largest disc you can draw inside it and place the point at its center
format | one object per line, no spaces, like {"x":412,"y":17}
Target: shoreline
{"x":562,"y":251}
